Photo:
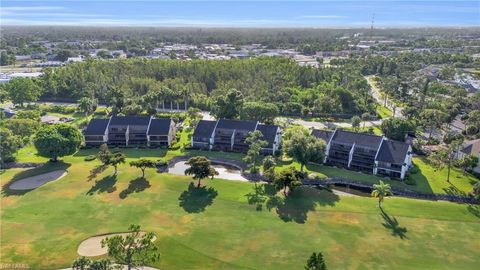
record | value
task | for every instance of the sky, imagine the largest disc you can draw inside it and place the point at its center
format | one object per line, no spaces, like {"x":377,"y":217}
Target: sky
{"x":225,"y":13}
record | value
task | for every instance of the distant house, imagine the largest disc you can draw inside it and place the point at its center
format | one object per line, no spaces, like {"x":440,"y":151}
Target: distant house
{"x":366,"y":152}
{"x":230,"y":135}
{"x":471,"y":148}
{"x":130,"y":130}
{"x":75,"y":59}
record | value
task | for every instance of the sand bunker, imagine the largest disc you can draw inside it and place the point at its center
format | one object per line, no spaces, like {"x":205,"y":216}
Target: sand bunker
{"x":92,"y":246}
{"x":35,"y":181}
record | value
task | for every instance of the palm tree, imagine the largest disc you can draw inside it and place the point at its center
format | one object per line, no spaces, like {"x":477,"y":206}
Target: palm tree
{"x":381,"y":190}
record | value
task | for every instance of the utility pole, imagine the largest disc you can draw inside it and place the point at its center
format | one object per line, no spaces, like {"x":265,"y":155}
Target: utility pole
{"x":371,"y":26}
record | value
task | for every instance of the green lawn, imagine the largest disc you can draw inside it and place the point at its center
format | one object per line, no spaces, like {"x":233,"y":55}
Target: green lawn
{"x":383,"y":111}
{"x":216,"y":227}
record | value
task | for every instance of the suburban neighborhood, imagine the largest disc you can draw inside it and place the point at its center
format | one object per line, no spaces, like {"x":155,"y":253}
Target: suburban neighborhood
{"x":239,"y":135}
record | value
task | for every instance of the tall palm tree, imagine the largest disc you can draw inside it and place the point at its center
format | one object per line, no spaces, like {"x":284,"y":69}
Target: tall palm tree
{"x":381,"y":190}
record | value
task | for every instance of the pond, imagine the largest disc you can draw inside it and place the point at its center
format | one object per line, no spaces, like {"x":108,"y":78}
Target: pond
{"x":224,"y":171}
{"x":353,"y":190}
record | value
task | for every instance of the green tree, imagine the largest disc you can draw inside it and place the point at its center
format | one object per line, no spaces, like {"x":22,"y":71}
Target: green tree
{"x":102,"y":264}
{"x":143,"y":164}
{"x":24,"y":128}
{"x":260,"y":111}
{"x":365,"y":117}
{"x":7,"y":58}
{"x":468,"y":162}
{"x":29,"y":114}
{"x":9,"y":145}
{"x":316,"y":262}
{"x":81,"y":263}
{"x":21,"y":90}
{"x":356,"y":120}
{"x":87,"y":105}
{"x":255,"y":144}
{"x":194,"y":116}
{"x":287,"y":178}
{"x":269,"y":162}
{"x":431,"y":119}
{"x":200,"y":168}
{"x":476,"y":190}
{"x":445,"y":157}
{"x":104,"y":154}
{"x":116,"y":159}
{"x":380,"y":191}
{"x":134,"y":249}
{"x":228,"y":106}
{"x":63,"y":55}
{"x":396,"y":128}
{"x":57,"y":140}
{"x":304,"y":148}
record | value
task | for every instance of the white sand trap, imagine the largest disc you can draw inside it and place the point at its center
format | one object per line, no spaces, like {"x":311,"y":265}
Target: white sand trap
{"x":92,"y":246}
{"x":35,"y":181}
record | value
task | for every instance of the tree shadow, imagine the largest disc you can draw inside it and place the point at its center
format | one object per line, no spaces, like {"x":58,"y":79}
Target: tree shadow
{"x":136,"y":185}
{"x":96,"y":171}
{"x":257,"y":197}
{"x":391,"y":223}
{"x":474,"y":209}
{"x":302,"y":200}
{"x":421,"y":182}
{"x":196,"y":199}
{"x":453,"y":190}
{"x":296,"y":205}
{"x":106,"y":184}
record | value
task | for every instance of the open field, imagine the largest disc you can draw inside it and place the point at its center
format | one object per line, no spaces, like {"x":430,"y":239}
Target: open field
{"x":217,"y":228}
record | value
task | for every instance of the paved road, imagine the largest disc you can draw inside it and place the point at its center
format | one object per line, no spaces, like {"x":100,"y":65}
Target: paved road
{"x":326,"y":124}
{"x":398,"y":111}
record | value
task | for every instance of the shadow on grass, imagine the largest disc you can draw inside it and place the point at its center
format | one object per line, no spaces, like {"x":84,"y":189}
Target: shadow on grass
{"x":453,"y":190}
{"x":129,"y":152}
{"x":106,"y":184}
{"x":96,"y":171}
{"x":196,"y":199}
{"x":136,"y":185}
{"x":474,"y":209}
{"x":258,"y":196}
{"x":391,"y":223}
{"x":46,"y":168}
{"x":295,"y":206}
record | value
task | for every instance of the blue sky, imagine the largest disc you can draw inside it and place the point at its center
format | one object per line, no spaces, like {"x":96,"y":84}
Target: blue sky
{"x":241,"y":13}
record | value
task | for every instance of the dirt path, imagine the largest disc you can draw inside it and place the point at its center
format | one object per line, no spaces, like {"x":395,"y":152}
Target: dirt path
{"x":35,"y":181}
{"x":92,"y":247}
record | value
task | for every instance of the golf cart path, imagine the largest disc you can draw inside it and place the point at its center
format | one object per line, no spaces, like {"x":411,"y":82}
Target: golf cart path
{"x":92,"y":247}
{"x":36,"y":181}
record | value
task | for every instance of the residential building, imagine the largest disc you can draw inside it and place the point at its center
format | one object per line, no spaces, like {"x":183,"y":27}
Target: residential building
{"x":471,"y":148}
{"x":230,"y":135}
{"x":130,"y":130}
{"x":366,"y":152}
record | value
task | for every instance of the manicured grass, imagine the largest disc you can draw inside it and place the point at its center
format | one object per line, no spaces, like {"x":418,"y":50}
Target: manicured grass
{"x":43,"y":227}
{"x":436,"y":180}
{"x":427,"y":179}
{"x":383,"y":111}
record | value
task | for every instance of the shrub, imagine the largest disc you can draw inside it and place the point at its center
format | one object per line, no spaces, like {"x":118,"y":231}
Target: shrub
{"x":414,"y":170}
{"x":90,"y":157}
{"x":409,"y":180}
